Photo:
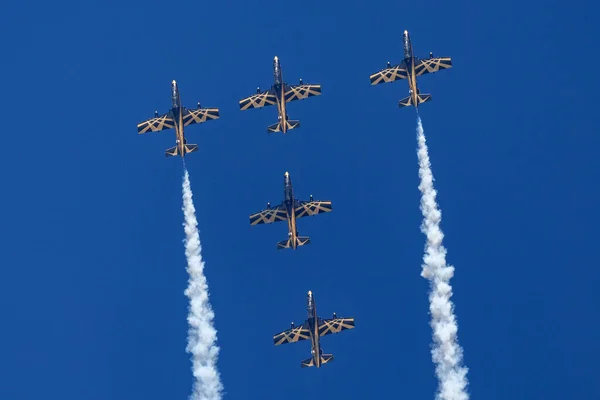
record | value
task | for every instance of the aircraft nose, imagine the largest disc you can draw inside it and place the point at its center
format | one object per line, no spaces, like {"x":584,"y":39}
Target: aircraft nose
{"x":405,"y":33}
{"x":276,"y":58}
{"x":309,"y":293}
{"x":173,"y":83}
{"x":286,"y":174}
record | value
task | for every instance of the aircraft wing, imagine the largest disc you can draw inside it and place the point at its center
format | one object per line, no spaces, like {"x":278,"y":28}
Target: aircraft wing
{"x":334,"y":325}
{"x":199,"y":115}
{"x":299,"y":92}
{"x":292,"y":335}
{"x":304,"y":208}
{"x":390,"y":74}
{"x":156,"y":124}
{"x":426,"y":66}
{"x":269,"y":215}
{"x":259,"y":100}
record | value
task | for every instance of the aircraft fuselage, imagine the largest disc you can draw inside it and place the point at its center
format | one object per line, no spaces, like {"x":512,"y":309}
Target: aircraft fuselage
{"x":177,"y":115}
{"x":313,"y":326}
{"x":280,"y":93}
{"x":409,"y":60}
{"x":289,"y":202}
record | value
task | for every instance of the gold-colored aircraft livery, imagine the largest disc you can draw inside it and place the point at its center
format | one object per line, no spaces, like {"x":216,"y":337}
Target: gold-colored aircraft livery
{"x":290,"y":209}
{"x":280,"y":93}
{"x":313,"y":328}
{"x":178,"y":117}
{"x":409,"y":69}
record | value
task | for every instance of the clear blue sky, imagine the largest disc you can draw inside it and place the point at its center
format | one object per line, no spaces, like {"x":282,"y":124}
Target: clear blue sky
{"x":93,"y":266}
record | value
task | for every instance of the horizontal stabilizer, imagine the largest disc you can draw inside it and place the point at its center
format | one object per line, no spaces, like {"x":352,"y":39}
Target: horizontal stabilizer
{"x":290,"y":124}
{"x":174,"y":151}
{"x":300,"y":241}
{"x":408,"y":101}
{"x":325,"y":358}
{"x":310,"y":362}
{"x":190,"y":148}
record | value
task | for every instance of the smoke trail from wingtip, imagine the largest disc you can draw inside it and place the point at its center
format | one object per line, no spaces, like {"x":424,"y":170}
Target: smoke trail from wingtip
{"x":202,"y":334}
{"x":446,"y":352}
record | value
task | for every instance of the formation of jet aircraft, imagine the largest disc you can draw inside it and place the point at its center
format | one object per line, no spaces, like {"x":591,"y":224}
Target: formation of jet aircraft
{"x":314,"y":328}
{"x":409,"y":68}
{"x":291,"y":208}
{"x":280,"y":93}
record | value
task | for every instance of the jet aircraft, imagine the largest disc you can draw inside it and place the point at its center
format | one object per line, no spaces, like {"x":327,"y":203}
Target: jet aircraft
{"x":313,"y":328}
{"x":409,"y":68}
{"x":178,"y":117}
{"x":280,"y":93}
{"x":290,"y":209}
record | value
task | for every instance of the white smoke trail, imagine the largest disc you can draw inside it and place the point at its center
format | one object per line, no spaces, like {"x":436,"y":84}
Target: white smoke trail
{"x":202,"y":334}
{"x":446,"y":352}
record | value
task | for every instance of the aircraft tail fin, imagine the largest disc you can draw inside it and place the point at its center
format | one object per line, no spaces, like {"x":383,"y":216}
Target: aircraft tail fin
{"x":278,"y":127}
{"x":408,"y":101}
{"x":300,"y":241}
{"x":310,"y":362}
{"x":174,"y":151}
